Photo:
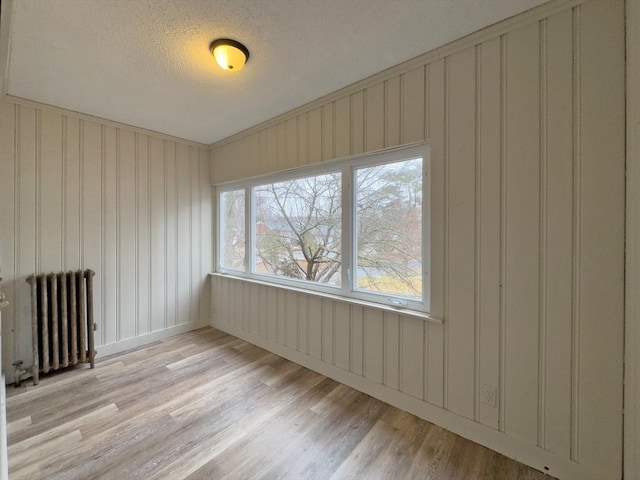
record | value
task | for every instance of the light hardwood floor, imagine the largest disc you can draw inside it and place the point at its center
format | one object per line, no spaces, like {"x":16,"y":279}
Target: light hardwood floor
{"x":206,"y":405}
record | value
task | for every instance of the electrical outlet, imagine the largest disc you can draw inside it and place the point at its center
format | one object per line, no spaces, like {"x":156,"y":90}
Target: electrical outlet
{"x":488,"y":395}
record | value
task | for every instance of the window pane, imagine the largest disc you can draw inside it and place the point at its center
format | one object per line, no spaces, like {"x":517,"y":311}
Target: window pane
{"x":232,"y":239}
{"x":298,"y":229}
{"x":389,"y":228}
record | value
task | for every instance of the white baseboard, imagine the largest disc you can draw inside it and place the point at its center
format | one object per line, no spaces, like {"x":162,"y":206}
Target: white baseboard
{"x":511,"y":447}
{"x":135,"y":342}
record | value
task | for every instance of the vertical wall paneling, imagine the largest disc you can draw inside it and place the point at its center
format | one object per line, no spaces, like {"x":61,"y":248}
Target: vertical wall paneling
{"x":238,"y":308}
{"x":281,"y":146}
{"x":254,"y":309}
{"x":476,"y":230}
{"x":246,"y":307}
{"x":425,"y":362}
{"x":522,"y":232}
{"x":9,"y":193}
{"x":488,"y":211}
{"x":342,"y":128}
{"x":374,"y":117}
{"x":435,"y":387}
{"x":601,"y":212}
{"x":196,"y":229}
{"x":327,"y":336}
{"x":374,"y":345}
{"x":291,"y":319}
{"x":243,"y":155}
{"x":281,"y":318}
{"x":412,"y":359}
{"x":218,"y":165}
{"x":143,"y":237}
{"x":218,"y":306}
{"x":302,"y":156}
{"x":158,"y":235}
{"x":314,"y":140}
{"x":110,"y":251}
{"x":205,"y":236}
{"x":413,"y":105}
{"x":71,"y":174}
{"x":291,"y":143}
{"x":252,"y":151}
{"x":92,"y":212}
{"x":558,"y":239}
{"x":127,"y":228}
{"x":327,"y":135}
{"x":392,"y":114}
{"x":427,"y":107}
{"x":631,"y":441}
{"x":542,"y":228}
{"x":303,"y":323}
{"x":184,"y":232}
{"x":392,"y":350}
{"x":272,"y":324}
{"x":502,"y":323}
{"x":460,"y":286}
{"x":356,"y":335}
{"x":263,"y":311}
{"x":357,"y":123}
{"x":50,"y":196}
{"x":171,"y":233}
{"x":233,"y":309}
{"x":25,"y":235}
{"x":315,"y":327}
{"x":342,"y":335}
{"x":260,"y":160}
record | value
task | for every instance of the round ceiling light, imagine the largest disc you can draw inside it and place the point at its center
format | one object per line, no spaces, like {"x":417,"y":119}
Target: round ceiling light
{"x":229,"y":54}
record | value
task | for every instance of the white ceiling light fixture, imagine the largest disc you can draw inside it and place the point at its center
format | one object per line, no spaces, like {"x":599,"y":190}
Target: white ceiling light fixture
{"x":229,"y":54}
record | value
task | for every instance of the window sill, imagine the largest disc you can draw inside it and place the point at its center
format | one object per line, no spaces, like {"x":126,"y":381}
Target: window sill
{"x":352,"y":301}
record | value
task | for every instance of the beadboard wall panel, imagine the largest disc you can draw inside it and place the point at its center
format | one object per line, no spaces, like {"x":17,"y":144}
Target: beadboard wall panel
{"x":132,"y":206}
{"x":526,"y":126}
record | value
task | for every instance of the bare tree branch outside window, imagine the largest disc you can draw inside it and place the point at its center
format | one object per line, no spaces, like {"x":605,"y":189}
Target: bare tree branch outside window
{"x":232,"y":234}
{"x":298,"y":228}
{"x":389,"y":228}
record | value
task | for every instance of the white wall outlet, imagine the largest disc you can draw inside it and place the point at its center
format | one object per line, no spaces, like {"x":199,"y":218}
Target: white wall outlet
{"x":488,"y":395}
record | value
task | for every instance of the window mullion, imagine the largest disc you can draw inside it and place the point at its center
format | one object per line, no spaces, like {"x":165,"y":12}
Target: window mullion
{"x":426,"y":233}
{"x":347,"y":230}
{"x":219,"y":230}
{"x":249,"y":238}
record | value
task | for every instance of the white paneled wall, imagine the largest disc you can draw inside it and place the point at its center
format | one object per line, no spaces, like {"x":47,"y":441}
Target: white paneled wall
{"x":135,"y":207}
{"x":526,"y":126}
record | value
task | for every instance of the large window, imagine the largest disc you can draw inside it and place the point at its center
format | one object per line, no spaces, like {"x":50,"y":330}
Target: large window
{"x":354,"y":227}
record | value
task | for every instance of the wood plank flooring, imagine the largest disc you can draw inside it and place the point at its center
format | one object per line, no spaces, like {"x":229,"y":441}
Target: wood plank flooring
{"x":206,"y":405}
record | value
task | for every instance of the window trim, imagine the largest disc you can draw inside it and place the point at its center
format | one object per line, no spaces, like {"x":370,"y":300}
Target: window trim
{"x":347,"y":289}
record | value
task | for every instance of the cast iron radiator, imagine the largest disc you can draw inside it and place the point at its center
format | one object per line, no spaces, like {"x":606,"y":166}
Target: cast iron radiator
{"x":61,"y":320}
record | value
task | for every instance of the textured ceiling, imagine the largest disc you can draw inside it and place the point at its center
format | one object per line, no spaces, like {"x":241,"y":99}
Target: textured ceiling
{"x":147,"y":63}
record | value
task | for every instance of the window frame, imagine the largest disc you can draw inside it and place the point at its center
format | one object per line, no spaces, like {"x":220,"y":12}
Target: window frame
{"x":347,"y":167}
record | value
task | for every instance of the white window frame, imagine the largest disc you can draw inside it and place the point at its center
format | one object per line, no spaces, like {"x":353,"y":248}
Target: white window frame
{"x":347,"y":166}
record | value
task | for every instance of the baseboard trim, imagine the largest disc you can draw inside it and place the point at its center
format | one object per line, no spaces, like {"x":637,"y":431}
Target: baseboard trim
{"x":135,"y":342}
{"x":511,"y":447}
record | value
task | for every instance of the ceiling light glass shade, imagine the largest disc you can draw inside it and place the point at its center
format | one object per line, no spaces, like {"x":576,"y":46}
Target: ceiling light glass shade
{"x":229,"y":54}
